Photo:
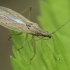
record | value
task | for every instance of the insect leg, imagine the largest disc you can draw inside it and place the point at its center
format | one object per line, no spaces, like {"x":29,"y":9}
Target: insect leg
{"x":39,"y":38}
{"x":34,"y":47}
{"x":30,"y":8}
{"x":14,"y":35}
{"x":24,"y":42}
{"x":25,"y":10}
{"x":29,"y":12}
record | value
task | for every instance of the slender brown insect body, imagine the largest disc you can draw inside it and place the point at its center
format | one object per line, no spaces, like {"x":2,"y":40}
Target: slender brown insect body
{"x":43,"y":34}
{"x":37,"y":31}
{"x":15,"y":21}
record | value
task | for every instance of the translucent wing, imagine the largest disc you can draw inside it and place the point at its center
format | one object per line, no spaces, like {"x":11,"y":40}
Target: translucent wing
{"x":13,"y":20}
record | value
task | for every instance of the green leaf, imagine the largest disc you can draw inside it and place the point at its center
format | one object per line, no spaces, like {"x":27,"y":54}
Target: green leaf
{"x":51,"y":54}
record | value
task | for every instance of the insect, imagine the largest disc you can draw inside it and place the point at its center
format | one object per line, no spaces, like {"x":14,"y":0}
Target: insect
{"x":15,"y":21}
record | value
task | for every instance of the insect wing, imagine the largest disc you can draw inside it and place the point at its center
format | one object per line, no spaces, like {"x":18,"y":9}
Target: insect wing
{"x":13,"y":20}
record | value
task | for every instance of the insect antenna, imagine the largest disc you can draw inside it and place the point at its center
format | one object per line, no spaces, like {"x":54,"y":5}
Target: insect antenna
{"x":55,"y":30}
{"x":60,"y":27}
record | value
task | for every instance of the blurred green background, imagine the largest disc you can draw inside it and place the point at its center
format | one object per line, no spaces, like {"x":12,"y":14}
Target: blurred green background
{"x":5,"y":45}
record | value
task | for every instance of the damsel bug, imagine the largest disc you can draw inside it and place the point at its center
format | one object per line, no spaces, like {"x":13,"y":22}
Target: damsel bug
{"x":15,"y":21}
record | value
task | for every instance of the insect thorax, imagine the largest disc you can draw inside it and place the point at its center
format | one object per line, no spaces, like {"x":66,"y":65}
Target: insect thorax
{"x":36,"y":30}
